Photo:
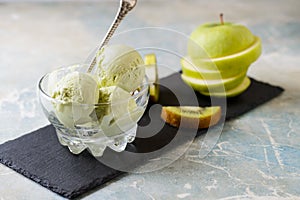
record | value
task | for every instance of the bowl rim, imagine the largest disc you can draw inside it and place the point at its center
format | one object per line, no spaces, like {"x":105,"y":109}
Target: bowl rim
{"x":144,"y":88}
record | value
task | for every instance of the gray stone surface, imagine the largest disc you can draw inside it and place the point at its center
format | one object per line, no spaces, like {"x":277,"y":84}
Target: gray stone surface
{"x":257,"y":155}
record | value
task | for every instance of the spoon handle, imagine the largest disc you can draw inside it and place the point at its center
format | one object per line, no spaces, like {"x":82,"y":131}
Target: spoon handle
{"x":125,"y":7}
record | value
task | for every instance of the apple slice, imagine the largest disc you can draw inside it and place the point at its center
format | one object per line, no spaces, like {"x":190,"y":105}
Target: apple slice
{"x":192,"y":70}
{"x":220,"y":85}
{"x":152,"y":73}
{"x":235,"y":62}
{"x":233,"y":92}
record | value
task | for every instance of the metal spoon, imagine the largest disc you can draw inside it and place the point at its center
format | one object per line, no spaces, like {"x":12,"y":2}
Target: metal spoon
{"x":125,"y":7}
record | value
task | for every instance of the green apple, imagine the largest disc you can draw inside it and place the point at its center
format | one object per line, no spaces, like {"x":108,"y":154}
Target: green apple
{"x":219,"y":40}
{"x":220,"y":53}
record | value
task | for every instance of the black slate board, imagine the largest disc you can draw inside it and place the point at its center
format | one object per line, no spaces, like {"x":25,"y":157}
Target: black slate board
{"x":40,"y":157}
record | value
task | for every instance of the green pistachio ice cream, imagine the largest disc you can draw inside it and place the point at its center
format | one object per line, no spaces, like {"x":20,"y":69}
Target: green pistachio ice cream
{"x":106,"y":94}
{"x":71,"y":91}
{"x":121,"y":102}
{"x":124,"y":112}
{"x":120,"y":65}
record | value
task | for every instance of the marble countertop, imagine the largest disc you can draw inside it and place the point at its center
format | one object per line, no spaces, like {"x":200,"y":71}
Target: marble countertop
{"x":257,"y":155}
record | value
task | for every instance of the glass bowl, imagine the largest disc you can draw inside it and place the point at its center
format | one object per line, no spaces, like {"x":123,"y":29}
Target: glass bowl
{"x":92,"y":126}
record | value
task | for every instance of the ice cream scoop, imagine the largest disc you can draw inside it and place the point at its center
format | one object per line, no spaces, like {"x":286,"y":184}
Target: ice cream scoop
{"x":114,"y":100}
{"x":120,"y":65}
{"x":72,"y":92}
{"x":116,"y":109}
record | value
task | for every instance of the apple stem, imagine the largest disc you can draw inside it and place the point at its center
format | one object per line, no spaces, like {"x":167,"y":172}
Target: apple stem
{"x":221,"y":19}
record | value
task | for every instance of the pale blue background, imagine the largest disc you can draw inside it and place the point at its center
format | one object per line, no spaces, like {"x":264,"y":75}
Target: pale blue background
{"x":257,"y":155}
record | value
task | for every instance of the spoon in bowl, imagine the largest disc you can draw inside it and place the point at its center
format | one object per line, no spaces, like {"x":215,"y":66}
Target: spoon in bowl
{"x":125,"y":7}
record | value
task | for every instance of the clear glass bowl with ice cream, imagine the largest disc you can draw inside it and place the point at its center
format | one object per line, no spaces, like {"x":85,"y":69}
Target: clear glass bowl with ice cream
{"x":100,"y":109}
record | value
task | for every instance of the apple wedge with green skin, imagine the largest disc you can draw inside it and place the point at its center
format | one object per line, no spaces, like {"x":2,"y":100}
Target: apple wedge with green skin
{"x":220,"y":85}
{"x":192,"y":70}
{"x":230,"y":93}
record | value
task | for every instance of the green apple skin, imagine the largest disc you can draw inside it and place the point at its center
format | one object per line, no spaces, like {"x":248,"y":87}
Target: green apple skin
{"x":220,"y":85}
{"x":198,"y":71}
{"x":237,"y":62}
{"x":219,"y":40}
